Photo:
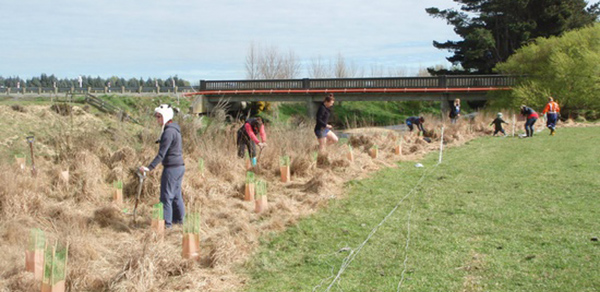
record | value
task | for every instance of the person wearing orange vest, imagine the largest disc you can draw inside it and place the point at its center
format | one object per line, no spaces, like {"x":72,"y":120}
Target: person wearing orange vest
{"x":551,"y":111}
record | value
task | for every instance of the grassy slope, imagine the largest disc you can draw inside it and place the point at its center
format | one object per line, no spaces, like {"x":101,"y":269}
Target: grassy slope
{"x":497,"y":215}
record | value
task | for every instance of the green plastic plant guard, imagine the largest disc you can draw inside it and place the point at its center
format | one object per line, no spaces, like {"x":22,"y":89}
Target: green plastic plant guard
{"x":118,"y":185}
{"x":260,"y":188}
{"x":55,"y":265}
{"x":157,"y":211}
{"x":284,"y":160}
{"x":250,"y":177}
{"x":191,"y":224}
{"x":37,"y":239}
{"x":201,"y":165}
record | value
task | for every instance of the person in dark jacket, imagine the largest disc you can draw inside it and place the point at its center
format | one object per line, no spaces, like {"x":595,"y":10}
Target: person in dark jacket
{"x":323,"y":128}
{"x":497,"y":122}
{"x":247,"y":138}
{"x":531,"y":116}
{"x":415,"y":121}
{"x":170,"y":154}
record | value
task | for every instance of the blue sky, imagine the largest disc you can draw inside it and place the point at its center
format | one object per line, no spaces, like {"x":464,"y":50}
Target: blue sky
{"x":211,"y":39}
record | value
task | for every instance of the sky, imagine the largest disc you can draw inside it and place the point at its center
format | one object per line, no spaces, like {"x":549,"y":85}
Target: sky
{"x":210,"y":40}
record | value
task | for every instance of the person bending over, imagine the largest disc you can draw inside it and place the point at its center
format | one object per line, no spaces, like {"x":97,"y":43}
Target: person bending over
{"x":247,"y":138}
{"x":415,"y":121}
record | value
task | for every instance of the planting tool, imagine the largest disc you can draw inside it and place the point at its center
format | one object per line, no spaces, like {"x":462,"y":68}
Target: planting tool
{"x":258,"y":157}
{"x":142,"y":176}
{"x":30,"y":140}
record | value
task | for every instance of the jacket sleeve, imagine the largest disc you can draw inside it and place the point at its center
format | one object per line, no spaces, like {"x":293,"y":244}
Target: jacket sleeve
{"x":251,"y":133}
{"x":165,"y":141}
{"x":263,"y":134}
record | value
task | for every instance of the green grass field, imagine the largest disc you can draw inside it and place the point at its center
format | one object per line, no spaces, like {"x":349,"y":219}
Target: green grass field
{"x":499,"y":214}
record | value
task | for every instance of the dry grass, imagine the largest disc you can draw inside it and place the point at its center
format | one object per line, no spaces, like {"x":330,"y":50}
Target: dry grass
{"x":109,"y":253}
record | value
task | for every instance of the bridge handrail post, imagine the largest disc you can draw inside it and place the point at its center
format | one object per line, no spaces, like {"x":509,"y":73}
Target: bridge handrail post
{"x":442,"y":83}
{"x":305,"y":83}
{"x":202,"y":84}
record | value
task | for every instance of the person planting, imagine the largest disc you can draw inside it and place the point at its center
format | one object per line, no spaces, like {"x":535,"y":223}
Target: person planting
{"x":323,"y":128}
{"x":532,"y":117}
{"x":415,"y":121}
{"x":170,"y":154}
{"x":247,"y":140}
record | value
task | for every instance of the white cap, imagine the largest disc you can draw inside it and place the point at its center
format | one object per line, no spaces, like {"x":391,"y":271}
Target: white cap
{"x":499,"y":115}
{"x":166,"y":111}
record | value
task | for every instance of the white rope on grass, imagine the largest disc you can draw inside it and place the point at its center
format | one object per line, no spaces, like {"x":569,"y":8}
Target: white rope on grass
{"x":353,"y":253}
{"x":406,"y":246}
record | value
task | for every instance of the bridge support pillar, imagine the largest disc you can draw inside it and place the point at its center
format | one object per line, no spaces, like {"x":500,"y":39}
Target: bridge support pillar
{"x":201,"y":105}
{"x":311,"y":107}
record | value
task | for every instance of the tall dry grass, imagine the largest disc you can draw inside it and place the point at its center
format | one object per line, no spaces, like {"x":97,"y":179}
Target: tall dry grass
{"x":109,"y":253}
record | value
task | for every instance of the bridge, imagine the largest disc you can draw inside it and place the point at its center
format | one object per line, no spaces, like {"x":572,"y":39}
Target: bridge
{"x":312,"y":91}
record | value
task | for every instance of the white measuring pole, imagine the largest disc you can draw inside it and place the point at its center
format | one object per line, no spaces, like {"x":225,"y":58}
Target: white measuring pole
{"x":441,"y":145}
{"x":514,"y":124}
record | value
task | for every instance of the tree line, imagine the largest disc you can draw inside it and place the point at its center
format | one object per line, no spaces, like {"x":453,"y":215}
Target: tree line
{"x":493,"y":30}
{"x":50,"y":81}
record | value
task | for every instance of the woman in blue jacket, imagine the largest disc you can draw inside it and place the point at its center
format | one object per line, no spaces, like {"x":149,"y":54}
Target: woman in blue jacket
{"x":170,"y":154}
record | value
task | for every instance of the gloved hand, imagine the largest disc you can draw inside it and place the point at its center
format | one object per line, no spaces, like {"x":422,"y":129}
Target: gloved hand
{"x":262,"y":144}
{"x":143,"y":169}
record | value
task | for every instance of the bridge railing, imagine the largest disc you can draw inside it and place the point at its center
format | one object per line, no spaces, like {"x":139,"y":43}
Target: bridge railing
{"x":96,"y":90}
{"x":450,"y":81}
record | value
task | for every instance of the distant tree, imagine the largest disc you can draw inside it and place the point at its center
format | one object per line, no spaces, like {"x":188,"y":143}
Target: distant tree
{"x":270,"y":63}
{"x":343,"y":69}
{"x":564,"y":67}
{"x":491,"y":30}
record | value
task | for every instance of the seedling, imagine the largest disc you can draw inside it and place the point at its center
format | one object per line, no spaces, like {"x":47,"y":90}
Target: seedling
{"x":158,"y":219}
{"x":249,"y":187}
{"x":191,"y":234}
{"x":34,"y":255}
{"x":260,"y":201}
{"x":55,"y":268}
{"x":284,"y":167}
{"x":20,"y":160}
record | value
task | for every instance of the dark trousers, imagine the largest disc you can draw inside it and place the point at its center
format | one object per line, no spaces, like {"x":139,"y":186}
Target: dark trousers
{"x":170,"y":195}
{"x":245,"y":143}
{"x":529,"y":126}
{"x":552,"y":118}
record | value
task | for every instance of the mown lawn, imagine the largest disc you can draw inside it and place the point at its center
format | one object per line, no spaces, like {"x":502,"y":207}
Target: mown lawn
{"x":499,"y":214}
